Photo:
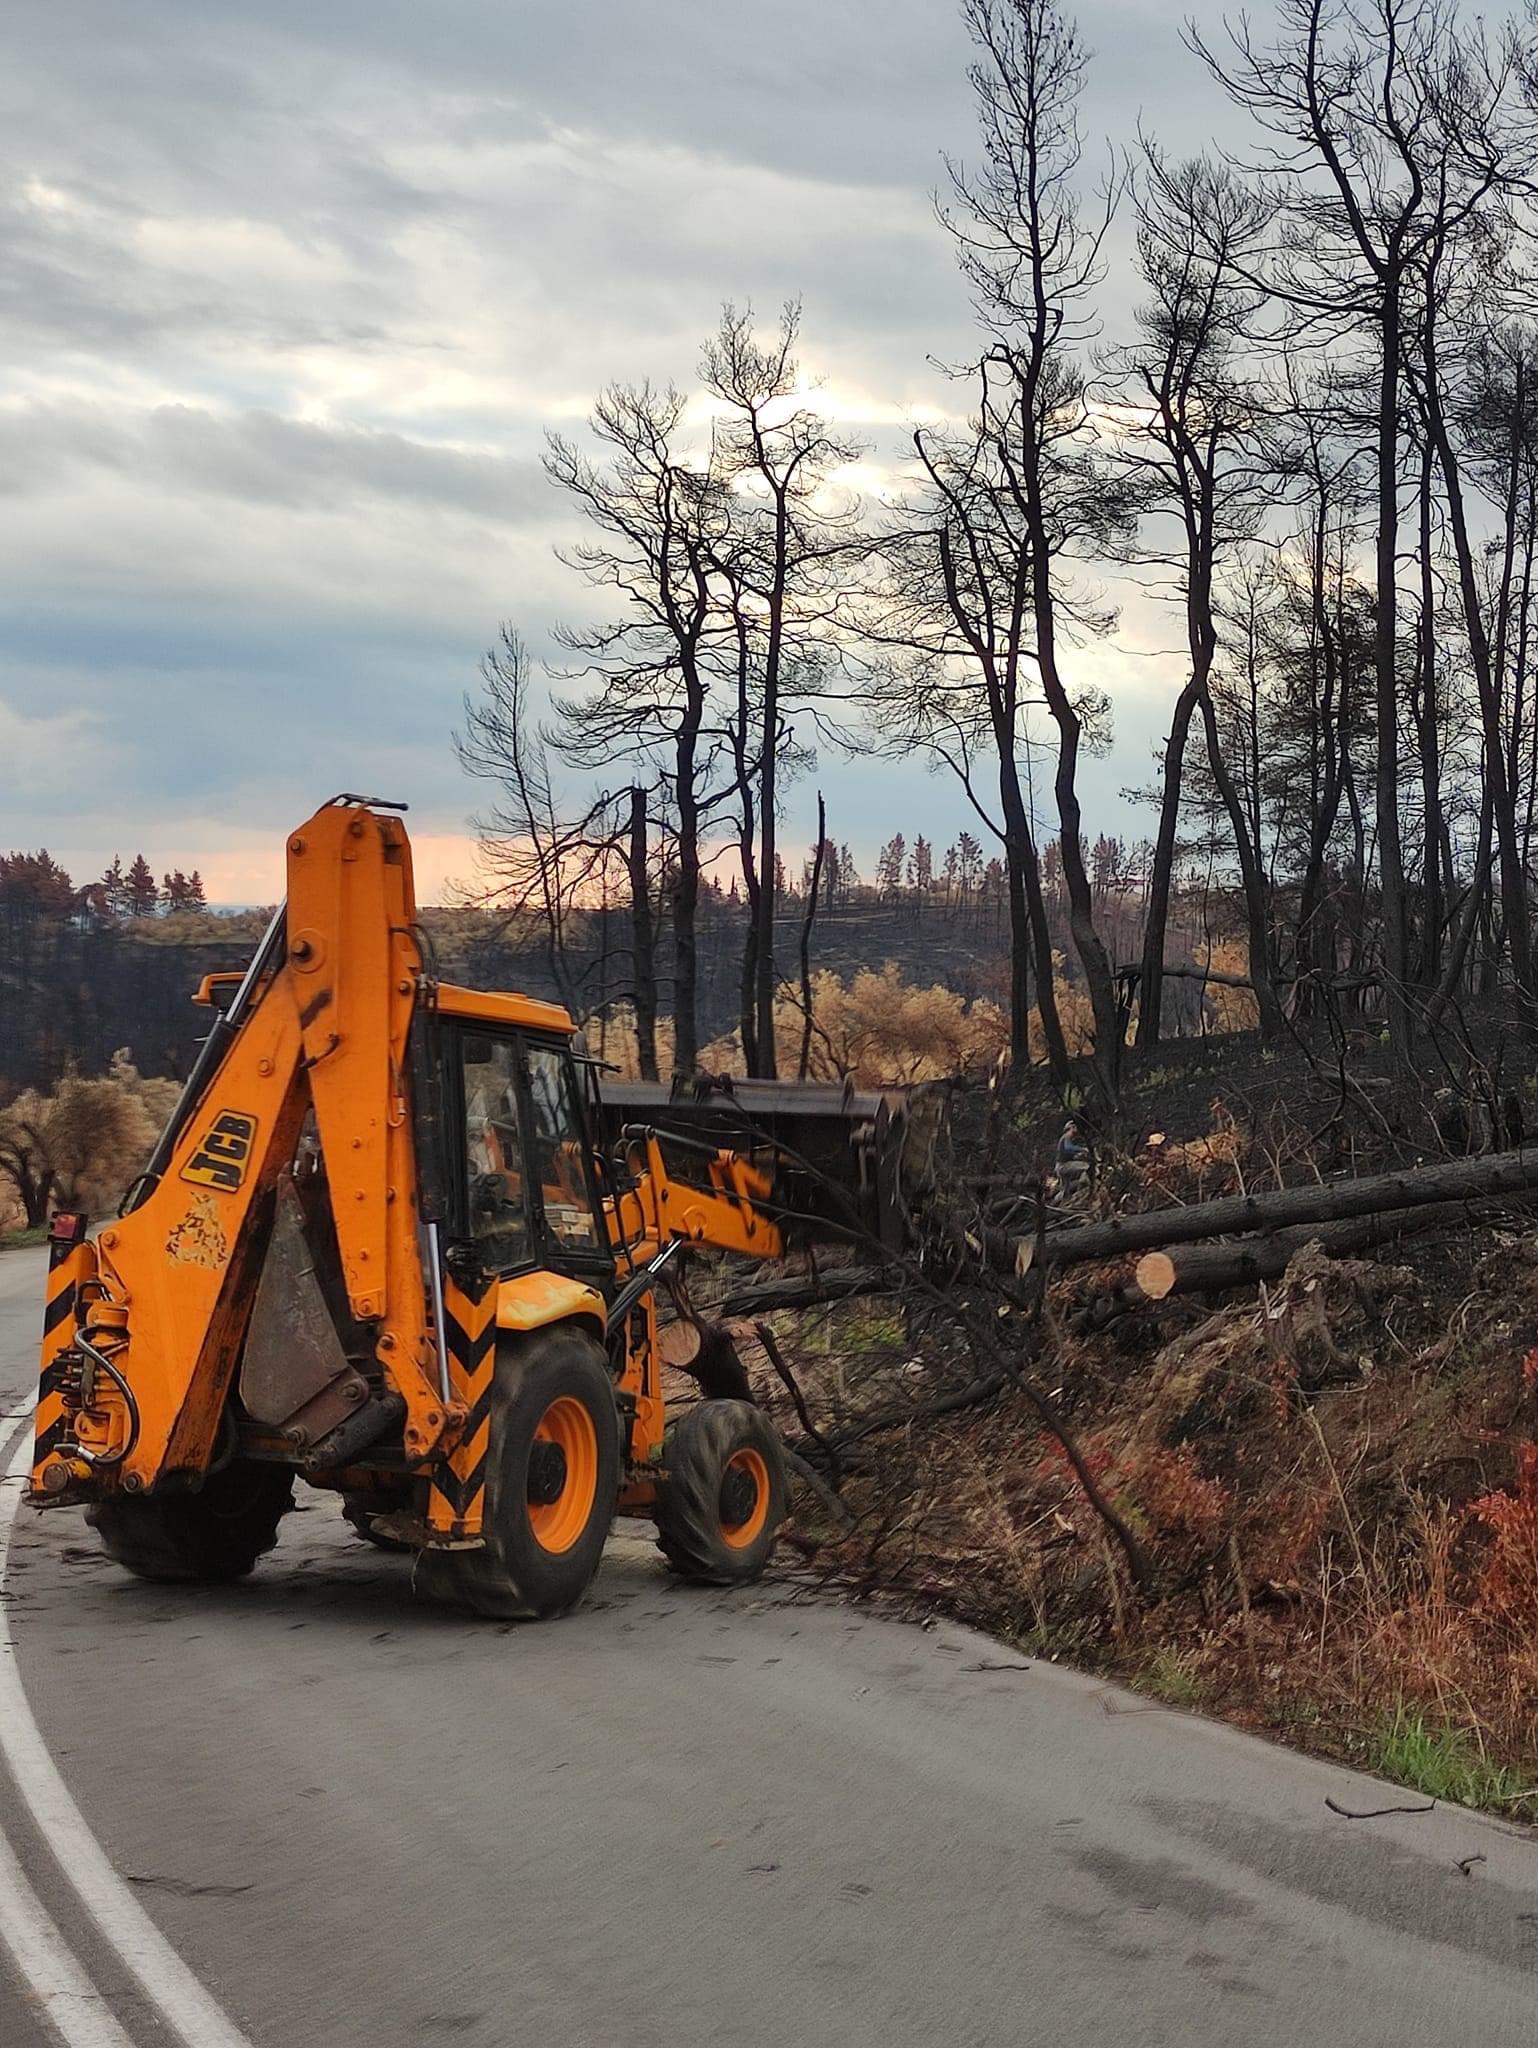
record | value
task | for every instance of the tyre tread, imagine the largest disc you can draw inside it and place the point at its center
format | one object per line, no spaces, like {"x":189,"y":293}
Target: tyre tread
{"x":699,"y":1446}
{"x":489,"y":1581}
{"x":193,"y":1538}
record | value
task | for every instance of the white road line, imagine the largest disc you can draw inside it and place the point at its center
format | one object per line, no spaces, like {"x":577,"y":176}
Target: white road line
{"x":166,"y":1980}
{"x":69,"y":2001}
{"x":72,"y":2005}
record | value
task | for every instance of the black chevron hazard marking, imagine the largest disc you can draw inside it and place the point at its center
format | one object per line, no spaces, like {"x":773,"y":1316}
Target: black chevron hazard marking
{"x":459,"y":1478}
{"x":468,"y":1352}
{"x":460,"y":1492}
{"x":46,"y":1439}
{"x":51,"y":1378}
{"x":473,"y":1421}
{"x":62,"y":1305}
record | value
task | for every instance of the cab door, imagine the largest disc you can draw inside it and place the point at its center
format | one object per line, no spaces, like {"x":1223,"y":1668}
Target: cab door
{"x":568,"y":1217}
{"x":525,"y":1194}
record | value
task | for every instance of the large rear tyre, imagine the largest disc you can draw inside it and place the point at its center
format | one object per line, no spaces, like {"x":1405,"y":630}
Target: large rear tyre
{"x":720,"y":1507}
{"x":209,"y":1537}
{"x":552,"y":1483}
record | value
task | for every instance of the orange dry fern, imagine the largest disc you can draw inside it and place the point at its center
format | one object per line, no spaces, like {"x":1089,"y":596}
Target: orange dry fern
{"x":1508,"y":1580}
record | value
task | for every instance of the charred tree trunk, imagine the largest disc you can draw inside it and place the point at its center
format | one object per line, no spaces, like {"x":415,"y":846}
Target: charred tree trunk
{"x":1151,"y":976}
{"x":1209,"y":1268}
{"x":1502,"y":796}
{"x":1428,"y":965}
{"x":686,"y":893}
{"x":1499,"y":1173}
{"x":804,"y":1061}
{"x":1396,"y":947}
{"x":643,"y":938}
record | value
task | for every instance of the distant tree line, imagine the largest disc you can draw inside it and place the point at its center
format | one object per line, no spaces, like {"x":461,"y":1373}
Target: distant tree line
{"x":86,"y":970}
{"x":34,"y":888}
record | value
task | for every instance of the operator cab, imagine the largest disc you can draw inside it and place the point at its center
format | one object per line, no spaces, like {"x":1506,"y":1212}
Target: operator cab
{"x":520,"y":1191}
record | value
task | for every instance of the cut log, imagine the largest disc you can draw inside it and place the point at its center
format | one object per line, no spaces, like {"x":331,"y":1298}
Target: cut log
{"x":1209,"y":1268}
{"x":1155,"y":1275}
{"x":1450,"y":1180}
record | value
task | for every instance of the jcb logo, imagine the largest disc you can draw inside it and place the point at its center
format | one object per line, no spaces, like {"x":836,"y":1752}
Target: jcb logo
{"x":224,"y":1154}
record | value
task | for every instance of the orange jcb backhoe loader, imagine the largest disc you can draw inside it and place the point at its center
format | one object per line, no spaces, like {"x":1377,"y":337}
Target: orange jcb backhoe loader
{"x":392,"y":1242}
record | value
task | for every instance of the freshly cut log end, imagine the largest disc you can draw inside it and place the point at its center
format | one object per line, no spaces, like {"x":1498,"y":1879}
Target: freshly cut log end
{"x":1155,"y":1275}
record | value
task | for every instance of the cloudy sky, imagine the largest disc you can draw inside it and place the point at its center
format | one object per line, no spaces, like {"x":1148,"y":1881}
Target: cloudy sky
{"x":289,"y":294}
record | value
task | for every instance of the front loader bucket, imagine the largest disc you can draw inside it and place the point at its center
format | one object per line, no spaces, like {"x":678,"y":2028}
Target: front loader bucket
{"x":839,"y":1156}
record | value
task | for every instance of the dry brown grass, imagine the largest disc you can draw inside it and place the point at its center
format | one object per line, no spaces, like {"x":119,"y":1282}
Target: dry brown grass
{"x":1336,"y":1479}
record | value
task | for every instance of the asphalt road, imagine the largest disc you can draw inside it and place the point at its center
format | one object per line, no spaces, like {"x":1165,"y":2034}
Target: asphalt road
{"x":679,"y":1817}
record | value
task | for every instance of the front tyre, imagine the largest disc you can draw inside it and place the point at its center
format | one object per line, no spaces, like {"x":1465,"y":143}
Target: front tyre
{"x":720,"y":1507}
{"x":209,"y":1537}
{"x":552,"y":1482}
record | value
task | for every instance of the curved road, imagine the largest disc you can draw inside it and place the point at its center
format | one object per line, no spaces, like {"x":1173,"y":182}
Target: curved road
{"x":682,"y":1817}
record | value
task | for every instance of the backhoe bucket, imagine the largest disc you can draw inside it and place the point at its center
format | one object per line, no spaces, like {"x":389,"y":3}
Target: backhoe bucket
{"x":844,"y":1161}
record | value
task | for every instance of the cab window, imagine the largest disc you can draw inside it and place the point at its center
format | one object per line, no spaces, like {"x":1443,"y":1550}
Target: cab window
{"x":558,"y":1150}
{"x":498,"y":1211}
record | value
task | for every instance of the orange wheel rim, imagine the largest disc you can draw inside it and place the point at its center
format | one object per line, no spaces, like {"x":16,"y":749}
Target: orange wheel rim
{"x":558,"y":1523}
{"x":751,"y":1465}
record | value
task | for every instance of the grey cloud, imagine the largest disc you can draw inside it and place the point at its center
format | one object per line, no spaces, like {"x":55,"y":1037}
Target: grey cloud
{"x":262,"y":459}
{"x":71,"y":282}
{"x":847,"y":87}
{"x":537,"y":197}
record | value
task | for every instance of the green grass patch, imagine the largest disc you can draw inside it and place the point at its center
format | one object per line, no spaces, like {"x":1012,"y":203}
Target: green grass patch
{"x":1447,"y":1763}
{"x":1157,"y":1078}
{"x":20,"y":1240}
{"x":1168,"y":1676}
{"x":871,"y":1331}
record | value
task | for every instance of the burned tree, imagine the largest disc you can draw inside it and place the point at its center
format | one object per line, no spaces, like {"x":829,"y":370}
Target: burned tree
{"x":781,"y":554}
{"x":1033,"y":260}
{"x":539,"y":858}
{"x":1194,"y":444}
{"x":657,"y":516}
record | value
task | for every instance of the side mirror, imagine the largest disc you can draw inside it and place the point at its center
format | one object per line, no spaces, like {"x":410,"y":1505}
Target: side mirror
{"x":217,"y":991}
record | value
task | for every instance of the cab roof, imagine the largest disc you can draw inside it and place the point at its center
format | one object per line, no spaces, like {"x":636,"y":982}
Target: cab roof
{"x":491,"y":1006}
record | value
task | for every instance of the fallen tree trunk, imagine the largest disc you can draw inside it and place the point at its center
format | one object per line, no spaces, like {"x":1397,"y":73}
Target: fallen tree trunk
{"x":804,"y":1290}
{"x":1209,"y":1268}
{"x":1451,"y":1180}
{"x":1337,"y":984}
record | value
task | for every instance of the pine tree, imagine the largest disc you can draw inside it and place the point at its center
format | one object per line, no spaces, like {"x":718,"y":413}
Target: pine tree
{"x":889,"y":867}
{"x":140,"y":890}
{"x":196,"y":899}
{"x":921,"y":866}
{"x":34,"y":889}
{"x":950,"y":872}
{"x":114,"y":889}
{"x":1106,"y":864}
{"x":831,"y":881}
